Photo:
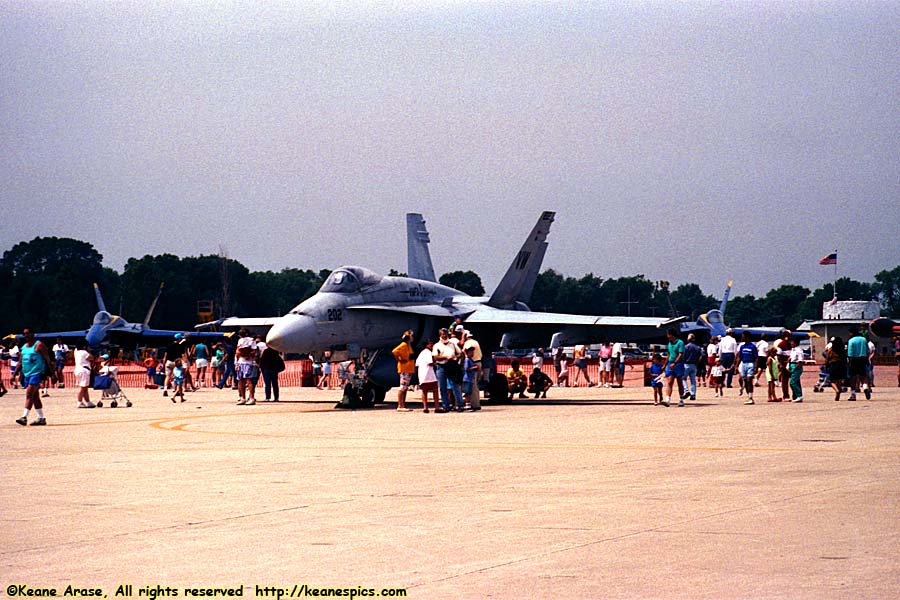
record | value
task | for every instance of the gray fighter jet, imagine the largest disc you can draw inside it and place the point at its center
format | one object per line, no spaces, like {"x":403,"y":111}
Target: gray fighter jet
{"x":359,"y":310}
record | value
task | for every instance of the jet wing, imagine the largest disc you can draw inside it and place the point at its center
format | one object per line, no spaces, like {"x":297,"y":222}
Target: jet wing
{"x":524,"y":329}
{"x":441,"y":311}
{"x":169,"y":333}
{"x":52,"y":335}
{"x":248,"y":322}
{"x":495,"y":316}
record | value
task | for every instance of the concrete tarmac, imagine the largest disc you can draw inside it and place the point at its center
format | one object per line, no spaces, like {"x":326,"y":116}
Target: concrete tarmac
{"x":589,"y":494}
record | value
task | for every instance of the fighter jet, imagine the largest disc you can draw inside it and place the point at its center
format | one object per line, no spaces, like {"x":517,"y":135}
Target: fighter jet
{"x":357,"y":309}
{"x":109,"y":329}
{"x":712,"y":323}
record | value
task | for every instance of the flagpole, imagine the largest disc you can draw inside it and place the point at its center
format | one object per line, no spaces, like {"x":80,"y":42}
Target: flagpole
{"x":834,"y":285}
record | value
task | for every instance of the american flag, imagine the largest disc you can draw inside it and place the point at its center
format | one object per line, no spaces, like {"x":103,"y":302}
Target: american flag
{"x":831,"y":259}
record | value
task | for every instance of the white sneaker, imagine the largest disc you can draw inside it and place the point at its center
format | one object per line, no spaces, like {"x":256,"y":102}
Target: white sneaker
{"x":90,"y":405}
{"x":800,"y":399}
{"x":250,"y":402}
{"x":241,"y":402}
{"x":82,"y":404}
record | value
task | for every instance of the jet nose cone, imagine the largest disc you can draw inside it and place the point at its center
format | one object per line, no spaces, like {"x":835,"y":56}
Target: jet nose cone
{"x":292,"y":333}
{"x":94,"y":337}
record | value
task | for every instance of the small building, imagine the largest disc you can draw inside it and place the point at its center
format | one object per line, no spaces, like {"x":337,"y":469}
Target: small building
{"x":837,"y":319}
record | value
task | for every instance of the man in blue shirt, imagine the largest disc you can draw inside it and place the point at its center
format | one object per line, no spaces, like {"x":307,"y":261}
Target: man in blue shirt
{"x":746,"y":354}
{"x":692,"y":355}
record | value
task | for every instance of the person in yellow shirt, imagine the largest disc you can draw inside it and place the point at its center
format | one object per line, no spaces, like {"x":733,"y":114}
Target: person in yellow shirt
{"x":405,"y":368}
{"x":517,"y":380}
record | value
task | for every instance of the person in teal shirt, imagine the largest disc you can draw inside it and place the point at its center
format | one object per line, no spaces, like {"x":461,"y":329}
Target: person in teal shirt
{"x":858,"y":357}
{"x":32,"y":365}
{"x":674,"y":367}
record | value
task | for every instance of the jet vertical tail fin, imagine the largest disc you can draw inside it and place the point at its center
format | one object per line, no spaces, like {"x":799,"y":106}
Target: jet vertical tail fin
{"x":153,"y":305}
{"x":100,"y":304}
{"x":517,"y":284}
{"x":725,"y":298}
{"x":418,"y":257}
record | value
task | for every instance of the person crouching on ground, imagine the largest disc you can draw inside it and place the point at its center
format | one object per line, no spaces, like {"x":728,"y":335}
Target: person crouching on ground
{"x":539,"y":383}
{"x":517,"y":380}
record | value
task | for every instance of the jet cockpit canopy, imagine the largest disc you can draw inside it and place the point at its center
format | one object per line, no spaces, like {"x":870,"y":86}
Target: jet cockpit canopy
{"x":102,"y":318}
{"x":714,"y":317}
{"x":349,"y":280}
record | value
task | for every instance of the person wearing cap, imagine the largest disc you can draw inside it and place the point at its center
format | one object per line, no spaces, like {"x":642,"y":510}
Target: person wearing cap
{"x":174,"y":351}
{"x":83,"y":374}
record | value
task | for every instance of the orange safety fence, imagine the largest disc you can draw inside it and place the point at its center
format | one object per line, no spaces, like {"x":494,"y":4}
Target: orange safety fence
{"x":297,"y":373}
{"x":634,"y":370}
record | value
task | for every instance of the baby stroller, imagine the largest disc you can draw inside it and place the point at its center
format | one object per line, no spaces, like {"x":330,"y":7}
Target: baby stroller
{"x":107,"y":382}
{"x":824,"y":380}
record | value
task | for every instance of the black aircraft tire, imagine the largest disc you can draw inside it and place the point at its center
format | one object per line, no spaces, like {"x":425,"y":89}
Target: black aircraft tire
{"x":499,"y":389}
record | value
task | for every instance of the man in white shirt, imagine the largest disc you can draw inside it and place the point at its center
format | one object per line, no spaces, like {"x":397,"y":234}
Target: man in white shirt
{"x":762,"y":347}
{"x":60,"y":351}
{"x":618,"y":364}
{"x":727,"y":350}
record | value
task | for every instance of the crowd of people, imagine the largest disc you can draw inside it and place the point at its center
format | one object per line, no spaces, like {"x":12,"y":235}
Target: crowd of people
{"x":448,"y":371}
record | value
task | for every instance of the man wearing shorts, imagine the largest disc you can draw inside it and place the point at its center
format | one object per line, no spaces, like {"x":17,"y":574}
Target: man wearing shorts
{"x":246,"y":369}
{"x":858,"y":357}
{"x":33,"y":362}
{"x":201,"y":353}
{"x":674,"y":367}
{"x":405,"y":368}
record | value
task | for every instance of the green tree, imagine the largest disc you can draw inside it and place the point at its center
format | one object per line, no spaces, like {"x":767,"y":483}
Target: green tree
{"x":887,"y":286}
{"x":545,"y":295}
{"x":781,"y":305}
{"x":49,"y":284}
{"x":689,"y":300}
{"x":627,"y":296}
{"x":467,"y":282}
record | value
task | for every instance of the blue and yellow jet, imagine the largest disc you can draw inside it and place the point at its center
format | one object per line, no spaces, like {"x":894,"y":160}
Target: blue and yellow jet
{"x":712,"y":323}
{"x":108,"y":329}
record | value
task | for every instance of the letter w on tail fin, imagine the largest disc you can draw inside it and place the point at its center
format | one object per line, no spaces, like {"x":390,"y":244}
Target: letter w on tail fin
{"x":517,"y":284}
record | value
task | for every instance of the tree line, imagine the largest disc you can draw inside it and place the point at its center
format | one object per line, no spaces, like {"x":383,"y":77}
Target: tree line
{"x":47,"y":283}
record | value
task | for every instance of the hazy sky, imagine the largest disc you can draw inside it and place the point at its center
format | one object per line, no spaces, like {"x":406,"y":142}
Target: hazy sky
{"x":694,"y":142}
